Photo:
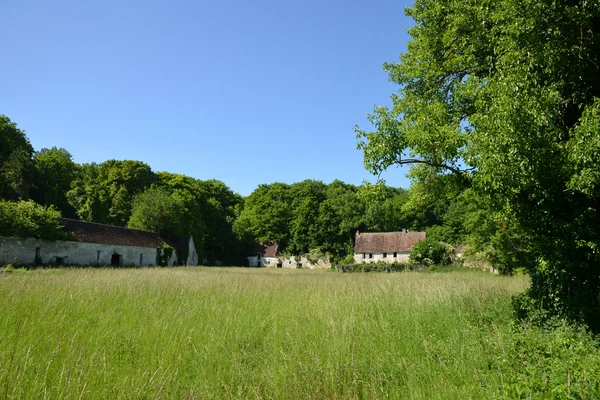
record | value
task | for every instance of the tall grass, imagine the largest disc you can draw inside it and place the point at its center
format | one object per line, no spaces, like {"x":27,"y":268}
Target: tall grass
{"x":256,"y":333}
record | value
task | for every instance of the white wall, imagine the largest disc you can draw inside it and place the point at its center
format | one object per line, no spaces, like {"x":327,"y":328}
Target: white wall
{"x":22,"y":251}
{"x":264,"y":261}
{"x":289,"y":262}
{"x":364,"y":257}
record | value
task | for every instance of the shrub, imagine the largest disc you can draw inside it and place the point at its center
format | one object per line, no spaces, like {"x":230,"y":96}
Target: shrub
{"x":29,"y":219}
{"x":430,"y":252}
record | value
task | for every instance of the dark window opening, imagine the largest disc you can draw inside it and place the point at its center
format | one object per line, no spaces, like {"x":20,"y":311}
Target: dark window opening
{"x":384,"y":255}
{"x":395,"y":255}
{"x":98,"y":257}
{"x":38,"y":256}
{"x":370,"y":255}
{"x":279,"y":265}
{"x":60,"y":260}
{"x":141,"y":260}
{"x":364,"y":255}
{"x":299,"y":265}
{"x":115,"y":260}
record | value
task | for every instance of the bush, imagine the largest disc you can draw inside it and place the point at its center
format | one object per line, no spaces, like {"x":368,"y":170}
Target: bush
{"x":29,"y":219}
{"x":380,"y":267}
{"x":431,"y":252}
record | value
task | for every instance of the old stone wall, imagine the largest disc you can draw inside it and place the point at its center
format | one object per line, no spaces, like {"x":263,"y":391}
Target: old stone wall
{"x":378,"y":257}
{"x":289,"y":262}
{"x":29,"y":251}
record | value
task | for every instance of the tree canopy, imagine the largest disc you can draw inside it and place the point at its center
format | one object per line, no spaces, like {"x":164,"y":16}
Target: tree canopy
{"x":503,"y":97}
{"x":16,"y":167}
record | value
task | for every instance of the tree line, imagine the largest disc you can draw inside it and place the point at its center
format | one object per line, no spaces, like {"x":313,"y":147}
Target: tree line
{"x":303,"y":217}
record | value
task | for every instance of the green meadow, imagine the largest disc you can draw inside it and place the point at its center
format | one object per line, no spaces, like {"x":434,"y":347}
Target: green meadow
{"x":202,"y":333}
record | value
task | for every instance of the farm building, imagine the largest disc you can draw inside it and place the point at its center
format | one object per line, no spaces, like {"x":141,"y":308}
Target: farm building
{"x":92,"y":244}
{"x":385,"y":246}
{"x":264,"y":255}
{"x":267,"y":255}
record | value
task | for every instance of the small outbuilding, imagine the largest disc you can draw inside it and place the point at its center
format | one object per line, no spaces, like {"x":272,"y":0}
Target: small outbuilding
{"x":264,"y":255}
{"x":385,"y":246}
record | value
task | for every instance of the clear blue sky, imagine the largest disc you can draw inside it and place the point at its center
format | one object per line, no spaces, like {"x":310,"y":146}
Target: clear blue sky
{"x":244,"y":92}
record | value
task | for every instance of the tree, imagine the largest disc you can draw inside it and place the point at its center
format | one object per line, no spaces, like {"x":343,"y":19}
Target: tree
{"x":341,"y":214}
{"x":306,"y":196}
{"x":504,"y":96}
{"x":28,"y":219}
{"x":103,"y":192}
{"x":430,"y":252}
{"x":155,"y":210}
{"x":54,"y":172}
{"x":267,"y":215}
{"x":16,"y":167}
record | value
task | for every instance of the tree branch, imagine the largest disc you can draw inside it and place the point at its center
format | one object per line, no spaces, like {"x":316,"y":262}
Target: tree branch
{"x":454,"y":170}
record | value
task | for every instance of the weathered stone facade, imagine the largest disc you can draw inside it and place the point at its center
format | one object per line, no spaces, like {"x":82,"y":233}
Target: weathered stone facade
{"x":386,"y":247}
{"x":381,"y":256}
{"x":29,"y":251}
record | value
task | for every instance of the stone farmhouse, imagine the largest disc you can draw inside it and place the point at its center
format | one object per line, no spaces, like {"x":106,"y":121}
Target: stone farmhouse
{"x":95,"y":245}
{"x":267,"y":255}
{"x":385,"y":246}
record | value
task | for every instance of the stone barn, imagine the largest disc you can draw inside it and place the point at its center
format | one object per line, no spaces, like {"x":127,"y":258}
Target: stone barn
{"x":264,"y":255}
{"x":92,"y":244}
{"x":385,"y":246}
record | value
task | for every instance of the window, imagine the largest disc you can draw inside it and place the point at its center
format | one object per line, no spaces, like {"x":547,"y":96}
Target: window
{"x":364,"y":255}
{"x":98,"y":257}
{"x":384,"y":255}
{"x":370,"y":255}
{"x":395,"y":255}
{"x":38,"y":257}
{"x":141,"y":259}
{"x":60,"y":260}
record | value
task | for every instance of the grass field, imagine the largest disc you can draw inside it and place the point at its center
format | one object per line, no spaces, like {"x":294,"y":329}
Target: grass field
{"x":191,"y":333}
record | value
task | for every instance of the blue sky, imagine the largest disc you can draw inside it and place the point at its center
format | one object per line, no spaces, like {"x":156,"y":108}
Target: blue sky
{"x":244,"y":92}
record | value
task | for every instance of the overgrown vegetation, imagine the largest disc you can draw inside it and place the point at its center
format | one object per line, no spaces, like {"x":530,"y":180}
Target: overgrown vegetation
{"x":29,"y":219}
{"x":256,"y":333}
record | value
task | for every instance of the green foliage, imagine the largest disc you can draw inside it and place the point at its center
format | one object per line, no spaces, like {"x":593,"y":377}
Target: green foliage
{"x":503,"y":98}
{"x":267,"y":215}
{"x":16,"y":167}
{"x":103,"y":192}
{"x":54,"y":172}
{"x":155,"y":210}
{"x":431,"y":252}
{"x":28,"y":219}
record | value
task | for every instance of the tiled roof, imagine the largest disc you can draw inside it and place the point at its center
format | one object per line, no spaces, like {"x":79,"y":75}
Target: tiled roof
{"x":378,"y":242}
{"x":89,"y":232}
{"x":265,"y":249}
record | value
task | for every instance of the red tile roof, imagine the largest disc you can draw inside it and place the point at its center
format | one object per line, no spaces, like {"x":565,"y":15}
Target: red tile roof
{"x":389,"y":242}
{"x":265,"y":249}
{"x":89,"y":232}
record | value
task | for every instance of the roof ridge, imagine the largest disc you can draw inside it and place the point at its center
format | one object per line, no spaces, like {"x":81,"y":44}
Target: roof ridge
{"x":111,"y":226}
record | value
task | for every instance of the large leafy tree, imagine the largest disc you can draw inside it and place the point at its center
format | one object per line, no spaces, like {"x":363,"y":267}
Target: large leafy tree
{"x":266,"y":215}
{"x":16,"y":165}
{"x":103,"y":192}
{"x":504,"y":96}
{"x":155,"y":210}
{"x":305,"y":199}
{"x":54,"y":172}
